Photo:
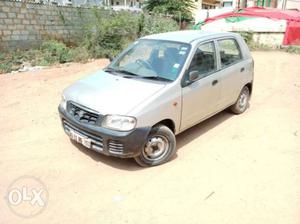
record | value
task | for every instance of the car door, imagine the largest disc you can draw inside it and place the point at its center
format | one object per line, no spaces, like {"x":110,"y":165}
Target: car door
{"x":232,"y":71}
{"x":200,"y":98}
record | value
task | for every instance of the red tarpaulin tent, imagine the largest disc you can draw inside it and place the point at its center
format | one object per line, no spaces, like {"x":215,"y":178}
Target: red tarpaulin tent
{"x":292,"y":33}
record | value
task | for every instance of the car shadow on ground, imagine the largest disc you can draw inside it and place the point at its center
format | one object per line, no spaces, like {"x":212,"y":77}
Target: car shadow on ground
{"x":201,"y":128}
{"x":182,"y":139}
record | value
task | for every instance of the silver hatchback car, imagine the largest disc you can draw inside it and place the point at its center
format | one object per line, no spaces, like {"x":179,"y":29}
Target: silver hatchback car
{"x":158,"y":87}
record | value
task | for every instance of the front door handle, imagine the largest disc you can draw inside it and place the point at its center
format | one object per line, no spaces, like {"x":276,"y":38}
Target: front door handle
{"x":214,"y":82}
{"x":242,"y":69}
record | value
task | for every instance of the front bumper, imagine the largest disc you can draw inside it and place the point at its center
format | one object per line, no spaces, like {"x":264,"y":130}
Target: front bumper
{"x":124,"y":144}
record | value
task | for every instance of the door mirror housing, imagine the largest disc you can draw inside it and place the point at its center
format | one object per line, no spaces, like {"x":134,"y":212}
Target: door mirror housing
{"x":190,"y":77}
{"x":194,"y":75}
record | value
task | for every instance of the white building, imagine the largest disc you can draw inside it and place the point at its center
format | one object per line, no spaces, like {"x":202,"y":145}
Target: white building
{"x":115,"y":4}
{"x":124,"y":4}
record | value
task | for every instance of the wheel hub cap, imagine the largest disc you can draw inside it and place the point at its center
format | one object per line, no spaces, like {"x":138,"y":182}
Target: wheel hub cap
{"x":156,"y":147}
{"x":243,"y":100}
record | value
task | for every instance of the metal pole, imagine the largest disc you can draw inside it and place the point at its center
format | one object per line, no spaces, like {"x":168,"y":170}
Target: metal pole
{"x":180,"y":19}
{"x":284,"y":4}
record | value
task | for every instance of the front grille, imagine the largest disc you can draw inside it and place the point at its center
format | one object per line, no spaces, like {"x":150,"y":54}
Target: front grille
{"x":115,"y":147}
{"x":96,"y":141}
{"x":81,"y":114}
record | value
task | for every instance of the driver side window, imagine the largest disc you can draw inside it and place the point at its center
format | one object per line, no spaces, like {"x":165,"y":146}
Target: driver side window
{"x":204,"y":61}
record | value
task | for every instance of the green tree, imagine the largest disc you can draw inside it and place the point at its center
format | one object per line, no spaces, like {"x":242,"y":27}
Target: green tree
{"x":181,"y":10}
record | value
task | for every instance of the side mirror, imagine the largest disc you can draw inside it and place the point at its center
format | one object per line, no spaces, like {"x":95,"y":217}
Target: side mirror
{"x":194,"y":75}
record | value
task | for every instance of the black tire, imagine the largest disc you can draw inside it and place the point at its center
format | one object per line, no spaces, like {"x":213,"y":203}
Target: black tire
{"x":166,"y":138}
{"x":242,"y":102}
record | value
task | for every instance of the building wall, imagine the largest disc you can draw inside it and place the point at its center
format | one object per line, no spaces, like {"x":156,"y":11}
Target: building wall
{"x":290,"y":4}
{"x":25,"y":25}
{"x":206,"y":4}
{"x":203,"y":9}
{"x":269,"y":39}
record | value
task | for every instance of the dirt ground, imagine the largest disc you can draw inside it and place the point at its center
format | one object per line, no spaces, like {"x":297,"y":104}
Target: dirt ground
{"x":229,"y":169}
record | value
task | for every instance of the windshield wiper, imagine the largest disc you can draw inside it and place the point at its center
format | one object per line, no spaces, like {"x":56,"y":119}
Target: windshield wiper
{"x":127,"y":72}
{"x":156,"y":78}
{"x":120,"y":71}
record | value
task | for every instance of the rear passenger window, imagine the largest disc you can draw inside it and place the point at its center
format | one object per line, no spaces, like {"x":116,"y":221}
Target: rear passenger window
{"x":204,"y":60}
{"x":229,"y":52}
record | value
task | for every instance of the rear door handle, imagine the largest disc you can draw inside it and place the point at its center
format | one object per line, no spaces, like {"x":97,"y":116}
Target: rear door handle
{"x":214,"y":82}
{"x":242,"y":69}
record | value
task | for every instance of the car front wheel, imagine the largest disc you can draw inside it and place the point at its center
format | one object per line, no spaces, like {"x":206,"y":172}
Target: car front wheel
{"x":159,"y":148}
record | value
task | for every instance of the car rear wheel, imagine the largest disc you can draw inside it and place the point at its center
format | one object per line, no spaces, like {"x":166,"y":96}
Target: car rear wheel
{"x":159,"y":148}
{"x":242,"y":102}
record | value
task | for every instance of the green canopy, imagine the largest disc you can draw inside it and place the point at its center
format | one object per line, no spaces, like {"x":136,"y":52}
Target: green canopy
{"x":233,"y":19}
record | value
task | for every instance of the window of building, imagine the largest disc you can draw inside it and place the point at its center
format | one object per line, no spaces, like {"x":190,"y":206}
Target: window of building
{"x":227,"y":4}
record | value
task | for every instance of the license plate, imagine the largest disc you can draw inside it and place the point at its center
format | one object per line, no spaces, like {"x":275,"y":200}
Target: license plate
{"x":80,"y":139}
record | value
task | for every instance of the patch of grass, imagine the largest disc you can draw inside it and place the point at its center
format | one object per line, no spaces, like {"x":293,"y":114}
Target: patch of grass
{"x":11,"y":61}
{"x":5,"y":67}
{"x":50,"y":52}
{"x":292,"y":49}
{"x":262,"y":47}
{"x":79,"y":54}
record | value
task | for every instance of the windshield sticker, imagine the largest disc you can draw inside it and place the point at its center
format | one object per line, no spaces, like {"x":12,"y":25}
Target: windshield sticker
{"x":182,"y":52}
{"x":184,"y":48}
{"x":174,"y":70}
{"x":176,"y":65}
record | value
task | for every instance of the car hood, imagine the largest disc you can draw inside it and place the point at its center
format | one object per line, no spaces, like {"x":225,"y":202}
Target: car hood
{"x":111,"y":94}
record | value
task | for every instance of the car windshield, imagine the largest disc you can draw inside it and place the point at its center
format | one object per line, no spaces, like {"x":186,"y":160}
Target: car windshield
{"x":152,"y":59}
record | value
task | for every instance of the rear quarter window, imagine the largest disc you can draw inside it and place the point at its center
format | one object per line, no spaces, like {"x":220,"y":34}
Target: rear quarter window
{"x":230,"y":52}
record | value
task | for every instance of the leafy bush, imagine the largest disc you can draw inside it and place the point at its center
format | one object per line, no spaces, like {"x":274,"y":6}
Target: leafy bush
{"x":181,"y":10}
{"x":156,"y":24}
{"x":50,"y":52}
{"x":293,"y":49}
{"x":79,"y":54}
{"x":108,"y":32}
{"x":12,"y":61}
{"x":5,"y":67}
{"x":54,"y":52}
{"x":103,"y":34}
{"x":248,"y":37}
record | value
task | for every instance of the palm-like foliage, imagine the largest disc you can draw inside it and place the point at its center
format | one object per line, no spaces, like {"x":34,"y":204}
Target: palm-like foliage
{"x":180,"y":9}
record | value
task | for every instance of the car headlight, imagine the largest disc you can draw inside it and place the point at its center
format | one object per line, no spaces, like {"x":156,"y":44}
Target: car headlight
{"x":120,"y":123}
{"x":63,"y":102}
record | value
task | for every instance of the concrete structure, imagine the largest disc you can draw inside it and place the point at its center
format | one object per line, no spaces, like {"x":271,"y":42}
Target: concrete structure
{"x":203,"y":7}
{"x":206,"y":4}
{"x":24,"y":25}
{"x":288,"y":4}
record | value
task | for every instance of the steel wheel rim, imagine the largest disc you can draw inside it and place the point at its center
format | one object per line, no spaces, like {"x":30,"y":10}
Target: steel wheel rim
{"x":243,"y":100}
{"x":156,"y":148}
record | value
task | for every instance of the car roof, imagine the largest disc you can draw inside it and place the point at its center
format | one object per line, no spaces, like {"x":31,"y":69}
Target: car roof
{"x":188,"y":36}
